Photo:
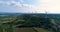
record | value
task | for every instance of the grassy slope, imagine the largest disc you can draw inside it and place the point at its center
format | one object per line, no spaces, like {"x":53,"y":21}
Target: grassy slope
{"x":31,"y":30}
{"x":42,"y":30}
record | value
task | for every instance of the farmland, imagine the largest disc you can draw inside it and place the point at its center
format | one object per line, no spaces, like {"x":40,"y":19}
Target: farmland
{"x":30,"y":23}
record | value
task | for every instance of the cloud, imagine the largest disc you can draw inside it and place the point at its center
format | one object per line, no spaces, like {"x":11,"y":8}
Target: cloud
{"x":24,"y":8}
{"x":8,"y":3}
{"x":18,"y":4}
{"x":32,"y":9}
{"x":51,"y":6}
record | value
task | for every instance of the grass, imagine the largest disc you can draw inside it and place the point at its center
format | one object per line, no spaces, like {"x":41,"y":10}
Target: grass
{"x":24,"y":30}
{"x":42,"y":30}
{"x":30,"y":30}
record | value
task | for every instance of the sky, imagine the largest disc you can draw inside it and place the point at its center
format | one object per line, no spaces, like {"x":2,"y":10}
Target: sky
{"x":30,"y":6}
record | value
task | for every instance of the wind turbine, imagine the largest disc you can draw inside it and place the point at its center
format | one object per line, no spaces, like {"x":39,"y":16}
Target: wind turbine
{"x":46,"y":13}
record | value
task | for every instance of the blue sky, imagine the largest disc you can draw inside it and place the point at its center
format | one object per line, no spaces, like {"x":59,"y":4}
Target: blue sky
{"x":16,"y":5}
{"x":30,"y":6}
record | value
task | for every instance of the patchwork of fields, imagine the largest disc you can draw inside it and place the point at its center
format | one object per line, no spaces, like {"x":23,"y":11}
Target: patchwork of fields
{"x":30,"y":23}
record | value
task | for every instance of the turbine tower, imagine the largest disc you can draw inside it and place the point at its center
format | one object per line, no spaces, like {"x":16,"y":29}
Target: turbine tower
{"x":46,"y":13}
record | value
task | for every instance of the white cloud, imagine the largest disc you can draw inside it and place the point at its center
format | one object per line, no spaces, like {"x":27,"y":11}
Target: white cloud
{"x":33,"y":8}
{"x":14,"y":3}
{"x":52,"y":6}
{"x":18,"y":4}
{"x":25,"y":8}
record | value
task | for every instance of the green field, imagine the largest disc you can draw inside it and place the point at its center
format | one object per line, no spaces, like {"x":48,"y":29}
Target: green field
{"x":28,"y":23}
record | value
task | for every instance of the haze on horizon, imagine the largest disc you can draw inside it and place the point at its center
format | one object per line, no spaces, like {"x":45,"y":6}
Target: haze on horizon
{"x":30,"y":6}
